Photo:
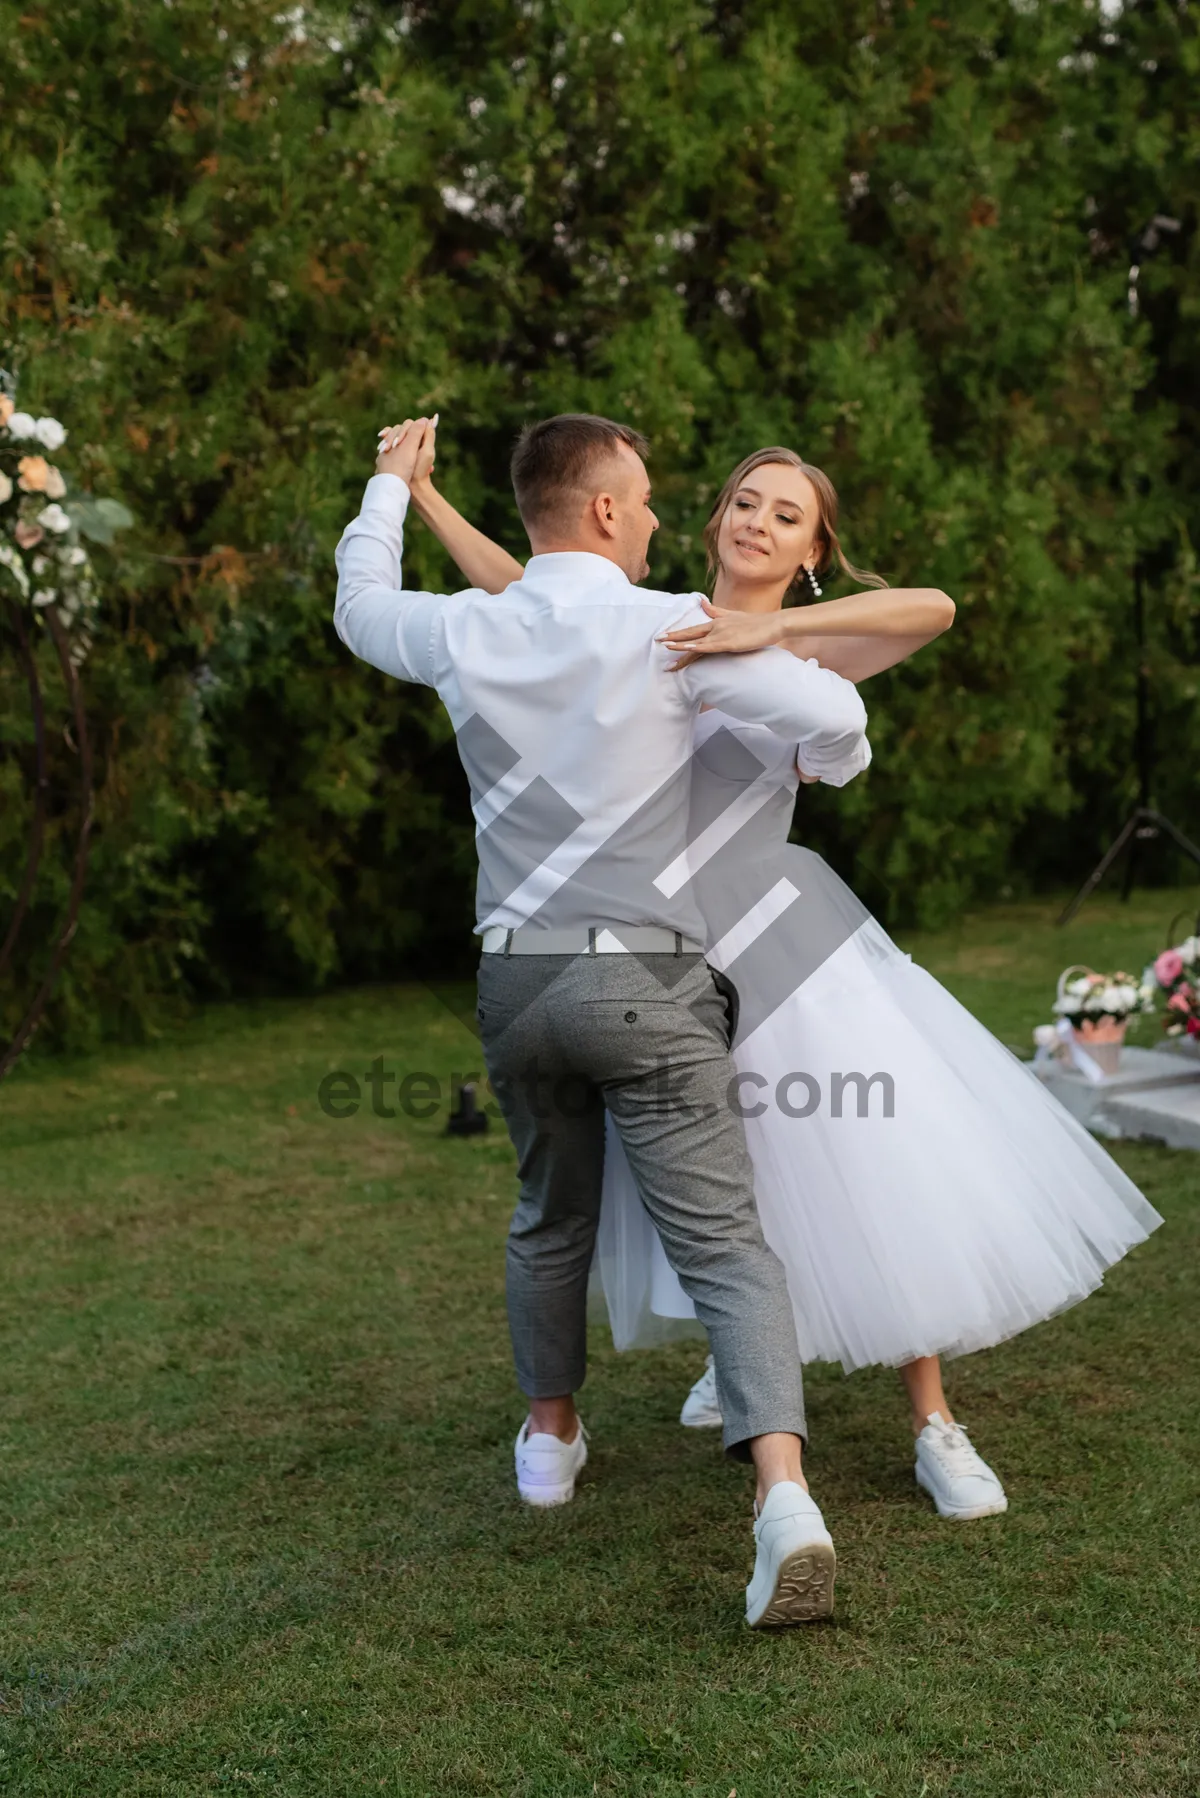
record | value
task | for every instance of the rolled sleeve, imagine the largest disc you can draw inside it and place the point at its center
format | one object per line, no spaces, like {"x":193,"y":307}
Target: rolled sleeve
{"x":799,"y":700}
{"x":833,"y":767}
{"x":373,"y":615}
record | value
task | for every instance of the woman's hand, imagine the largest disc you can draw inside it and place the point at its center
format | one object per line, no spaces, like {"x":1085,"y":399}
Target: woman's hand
{"x":730,"y":633}
{"x":422,"y":474}
{"x":407,"y":450}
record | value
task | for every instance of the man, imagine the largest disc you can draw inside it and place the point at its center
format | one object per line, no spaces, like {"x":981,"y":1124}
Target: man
{"x":575,"y":735}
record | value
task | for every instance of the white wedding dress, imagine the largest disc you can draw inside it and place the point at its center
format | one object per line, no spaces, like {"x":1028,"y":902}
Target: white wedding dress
{"x":965,"y":1205}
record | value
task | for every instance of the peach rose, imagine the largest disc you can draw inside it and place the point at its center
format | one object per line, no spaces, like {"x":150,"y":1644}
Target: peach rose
{"x":33,"y":472}
{"x":56,"y":487}
{"x":6,"y":408}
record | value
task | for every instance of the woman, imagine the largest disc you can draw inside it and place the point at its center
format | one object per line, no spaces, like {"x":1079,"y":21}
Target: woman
{"x":925,"y":1194}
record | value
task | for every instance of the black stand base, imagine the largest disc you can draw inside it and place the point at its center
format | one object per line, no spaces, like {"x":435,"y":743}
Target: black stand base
{"x":1142,"y":824}
{"x":468,"y":1120}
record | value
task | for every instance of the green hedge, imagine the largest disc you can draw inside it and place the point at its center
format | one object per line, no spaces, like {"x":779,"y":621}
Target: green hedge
{"x":235,"y":240}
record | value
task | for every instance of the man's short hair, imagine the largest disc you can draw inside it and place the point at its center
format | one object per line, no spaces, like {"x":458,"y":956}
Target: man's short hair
{"x":556,"y":460}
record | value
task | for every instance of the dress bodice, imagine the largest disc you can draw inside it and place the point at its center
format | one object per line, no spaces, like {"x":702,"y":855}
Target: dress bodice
{"x":773,"y":912}
{"x":746,"y":773}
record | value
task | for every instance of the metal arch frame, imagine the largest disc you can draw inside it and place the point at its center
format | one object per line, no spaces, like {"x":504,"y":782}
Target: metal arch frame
{"x":36,"y":1011}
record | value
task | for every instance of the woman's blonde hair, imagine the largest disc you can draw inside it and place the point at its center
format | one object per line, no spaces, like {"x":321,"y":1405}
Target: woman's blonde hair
{"x":829,"y":548}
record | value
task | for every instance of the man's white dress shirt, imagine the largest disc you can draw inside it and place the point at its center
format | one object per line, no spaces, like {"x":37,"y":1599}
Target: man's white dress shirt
{"x":575,"y":736}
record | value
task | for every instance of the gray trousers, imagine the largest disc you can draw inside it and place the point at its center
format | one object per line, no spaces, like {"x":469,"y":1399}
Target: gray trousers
{"x":648,"y":1037}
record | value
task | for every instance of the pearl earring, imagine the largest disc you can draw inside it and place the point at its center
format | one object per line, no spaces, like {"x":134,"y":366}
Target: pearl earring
{"x":811,"y":582}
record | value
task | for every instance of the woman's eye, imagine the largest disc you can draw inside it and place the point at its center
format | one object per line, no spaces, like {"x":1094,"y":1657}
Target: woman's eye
{"x":783,"y":519}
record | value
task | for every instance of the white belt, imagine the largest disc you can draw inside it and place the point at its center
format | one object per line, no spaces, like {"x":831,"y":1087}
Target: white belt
{"x":595,"y":939}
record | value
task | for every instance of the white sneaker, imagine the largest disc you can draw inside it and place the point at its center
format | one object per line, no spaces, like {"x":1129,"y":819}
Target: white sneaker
{"x":547,"y":1467}
{"x":700,"y":1408}
{"x":959,"y":1481}
{"x":794,"y":1569}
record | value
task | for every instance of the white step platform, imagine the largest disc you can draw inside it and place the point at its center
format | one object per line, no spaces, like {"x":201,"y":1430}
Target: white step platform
{"x":1154,"y":1095}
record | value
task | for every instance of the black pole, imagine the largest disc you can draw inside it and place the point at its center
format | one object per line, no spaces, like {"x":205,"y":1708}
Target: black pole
{"x":1143,"y":744}
{"x":1144,"y":822}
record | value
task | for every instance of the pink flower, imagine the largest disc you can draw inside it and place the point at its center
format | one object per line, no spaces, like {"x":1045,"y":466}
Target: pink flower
{"x":1179,"y":1002}
{"x":1193,"y":1026}
{"x":1168,"y":967}
{"x":27,"y":535}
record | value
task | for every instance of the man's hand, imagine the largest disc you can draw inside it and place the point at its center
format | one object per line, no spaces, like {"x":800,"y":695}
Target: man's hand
{"x":403,"y":449}
{"x":729,"y":633}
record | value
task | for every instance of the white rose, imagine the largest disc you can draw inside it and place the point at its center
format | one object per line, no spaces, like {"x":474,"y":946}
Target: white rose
{"x":45,"y":596}
{"x":1081,"y":987}
{"x":74,"y":558}
{"x":53,"y":518}
{"x":1045,"y":1035}
{"x":49,"y":432}
{"x":22,"y":424}
{"x":5,"y":487}
{"x":40,"y":564}
{"x":11,"y":560}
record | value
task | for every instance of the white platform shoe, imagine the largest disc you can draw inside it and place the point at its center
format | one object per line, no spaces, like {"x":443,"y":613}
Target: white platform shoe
{"x":956,"y":1477}
{"x":700,"y":1408}
{"x":548,"y":1467}
{"x":795,"y":1565}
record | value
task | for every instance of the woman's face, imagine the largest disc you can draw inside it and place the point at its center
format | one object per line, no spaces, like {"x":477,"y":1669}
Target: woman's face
{"x":771,"y":526}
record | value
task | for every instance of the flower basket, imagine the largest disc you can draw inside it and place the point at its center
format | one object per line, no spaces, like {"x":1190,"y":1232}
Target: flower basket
{"x":1093,"y":1012}
{"x":1103,"y":1041}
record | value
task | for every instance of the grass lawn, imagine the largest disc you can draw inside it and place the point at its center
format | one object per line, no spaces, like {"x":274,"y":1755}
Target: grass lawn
{"x":260,"y":1528}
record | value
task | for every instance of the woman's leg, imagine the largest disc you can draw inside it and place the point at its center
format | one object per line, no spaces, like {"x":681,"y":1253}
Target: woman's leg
{"x":923,"y":1382}
{"x":960,"y":1483}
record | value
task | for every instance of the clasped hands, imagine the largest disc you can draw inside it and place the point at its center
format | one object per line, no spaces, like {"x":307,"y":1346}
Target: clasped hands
{"x":408,"y":450}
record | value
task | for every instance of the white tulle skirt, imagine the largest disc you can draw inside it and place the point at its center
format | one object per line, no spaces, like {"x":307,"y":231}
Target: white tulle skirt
{"x":976,"y":1208}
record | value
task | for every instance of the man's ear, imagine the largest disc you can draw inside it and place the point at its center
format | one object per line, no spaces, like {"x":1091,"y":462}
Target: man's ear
{"x":604,"y":512}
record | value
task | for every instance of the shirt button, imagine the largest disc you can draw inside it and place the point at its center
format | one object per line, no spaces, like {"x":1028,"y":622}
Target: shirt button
{"x":631,"y":1017}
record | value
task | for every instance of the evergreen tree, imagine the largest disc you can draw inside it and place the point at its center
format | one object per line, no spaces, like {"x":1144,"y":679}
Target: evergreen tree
{"x":235,"y":241}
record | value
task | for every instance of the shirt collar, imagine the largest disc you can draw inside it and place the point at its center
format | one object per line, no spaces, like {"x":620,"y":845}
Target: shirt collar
{"x":574,"y":569}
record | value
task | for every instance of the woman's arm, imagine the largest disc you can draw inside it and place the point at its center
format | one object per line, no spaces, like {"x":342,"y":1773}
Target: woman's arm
{"x":858,"y":658}
{"x":857,"y":636}
{"x":922,"y":612}
{"x":483,"y":562}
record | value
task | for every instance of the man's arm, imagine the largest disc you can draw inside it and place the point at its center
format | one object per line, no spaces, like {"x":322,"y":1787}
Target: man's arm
{"x":373,"y":616}
{"x":818,"y":710}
